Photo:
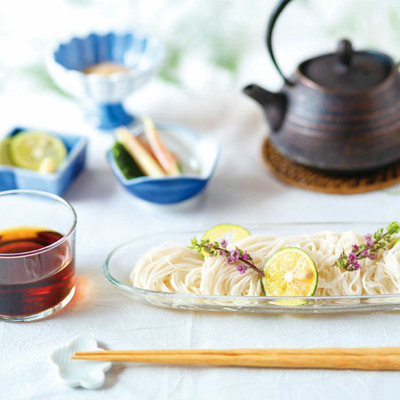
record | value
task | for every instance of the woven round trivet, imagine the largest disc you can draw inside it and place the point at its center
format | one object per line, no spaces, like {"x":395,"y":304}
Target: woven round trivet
{"x":319,"y":181}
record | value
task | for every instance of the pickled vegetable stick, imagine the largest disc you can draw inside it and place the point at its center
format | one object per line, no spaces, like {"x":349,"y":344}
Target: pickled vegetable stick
{"x":143,"y":142}
{"x":142,"y":157}
{"x":165,"y":158}
{"x":146,"y":145}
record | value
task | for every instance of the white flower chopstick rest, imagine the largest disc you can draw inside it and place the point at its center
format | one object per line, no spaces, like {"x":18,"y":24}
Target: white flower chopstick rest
{"x":74,"y":373}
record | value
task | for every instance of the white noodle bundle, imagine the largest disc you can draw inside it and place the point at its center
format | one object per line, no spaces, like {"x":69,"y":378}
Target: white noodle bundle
{"x":178,"y":269}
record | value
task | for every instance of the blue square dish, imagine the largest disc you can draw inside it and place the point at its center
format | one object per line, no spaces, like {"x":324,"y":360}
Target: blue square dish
{"x":198,"y":156}
{"x":57,"y":182}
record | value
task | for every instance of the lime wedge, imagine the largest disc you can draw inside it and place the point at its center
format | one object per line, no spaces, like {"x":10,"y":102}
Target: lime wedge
{"x":37,"y":151}
{"x":290,"y":272}
{"x":5,"y":158}
{"x":228,"y":232}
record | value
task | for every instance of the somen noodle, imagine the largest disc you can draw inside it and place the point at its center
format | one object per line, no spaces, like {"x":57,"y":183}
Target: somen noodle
{"x":172,"y":267}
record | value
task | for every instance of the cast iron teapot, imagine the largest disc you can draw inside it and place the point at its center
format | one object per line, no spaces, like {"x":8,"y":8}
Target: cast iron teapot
{"x":339,"y":112}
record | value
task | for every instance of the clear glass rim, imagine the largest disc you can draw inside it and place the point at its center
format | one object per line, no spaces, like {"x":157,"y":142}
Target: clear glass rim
{"x":47,"y":195}
{"x":144,"y":292}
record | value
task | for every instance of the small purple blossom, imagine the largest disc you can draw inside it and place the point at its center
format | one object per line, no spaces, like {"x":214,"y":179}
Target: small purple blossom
{"x":241,"y":268}
{"x":372,"y":256}
{"x":222,"y":253}
{"x":352,"y":257}
{"x":369,"y":241}
{"x":355,"y":248}
{"x":356,"y":265}
{"x":365,"y":253}
{"x":246,"y":256}
{"x":223,"y":243}
{"x":235,"y":254}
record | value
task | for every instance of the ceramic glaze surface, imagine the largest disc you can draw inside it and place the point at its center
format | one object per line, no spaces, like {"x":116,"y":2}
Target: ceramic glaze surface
{"x":57,"y":182}
{"x":339,"y":112}
{"x":198,"y":156}
{"x":84,"y":373}
{"x":139,"y":53}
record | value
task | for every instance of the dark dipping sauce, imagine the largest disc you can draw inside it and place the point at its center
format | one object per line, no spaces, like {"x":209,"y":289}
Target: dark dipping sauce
{"x":32,"y":283}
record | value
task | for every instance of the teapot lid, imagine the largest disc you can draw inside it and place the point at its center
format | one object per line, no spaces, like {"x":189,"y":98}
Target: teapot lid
{"x":348,"y":71}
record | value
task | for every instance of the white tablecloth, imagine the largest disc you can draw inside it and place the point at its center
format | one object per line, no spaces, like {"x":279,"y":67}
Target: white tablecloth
{"x":241,"y":192}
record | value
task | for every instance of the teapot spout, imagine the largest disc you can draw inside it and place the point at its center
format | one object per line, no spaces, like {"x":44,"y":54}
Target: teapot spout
{"x":274,"y":104}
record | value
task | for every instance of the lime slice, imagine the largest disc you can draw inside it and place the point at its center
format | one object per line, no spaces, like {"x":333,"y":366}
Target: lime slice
{"x":5,"y":158}
{"x":37,"y":151}
{"x":229,"y":232}
{"x":290,"y":272}
{"x":397,"y":240}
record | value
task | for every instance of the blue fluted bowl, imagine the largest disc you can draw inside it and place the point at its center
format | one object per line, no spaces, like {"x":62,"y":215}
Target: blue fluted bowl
{"x":57,"y":182}
{"x":198,"y":156}
{"x":141,"y":54}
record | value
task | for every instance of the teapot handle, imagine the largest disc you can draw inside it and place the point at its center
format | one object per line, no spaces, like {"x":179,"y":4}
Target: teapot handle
{"x":271,"y":24}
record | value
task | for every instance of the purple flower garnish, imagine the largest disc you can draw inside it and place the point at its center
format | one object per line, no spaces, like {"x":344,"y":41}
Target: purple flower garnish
{"x":352,"y":257}
{"x":369,"y":241}
{"x":356,"y":265}
{"x":373,"y":243}
{"x":235,"y":254}
{"x":231,"y":257}
{"x":241,"y":268}
{"x":365,"y":253}
{"x":223,"y":243}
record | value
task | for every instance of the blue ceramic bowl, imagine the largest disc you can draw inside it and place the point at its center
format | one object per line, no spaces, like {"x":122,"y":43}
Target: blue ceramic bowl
{"x":198,"y":156}
{"x":141,"y":54}
{"x":58,"y":182}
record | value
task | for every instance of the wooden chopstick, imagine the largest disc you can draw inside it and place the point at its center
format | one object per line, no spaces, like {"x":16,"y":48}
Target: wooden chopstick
{"x":316,"y":351}
{"x":384,"y":358}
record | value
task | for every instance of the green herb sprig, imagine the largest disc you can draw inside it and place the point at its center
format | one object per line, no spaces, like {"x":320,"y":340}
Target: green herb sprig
{"x":214,"y":249}
{"x":370,"y":249}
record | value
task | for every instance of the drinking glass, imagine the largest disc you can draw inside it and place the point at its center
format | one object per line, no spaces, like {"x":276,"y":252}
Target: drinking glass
{"x":37,"y":254}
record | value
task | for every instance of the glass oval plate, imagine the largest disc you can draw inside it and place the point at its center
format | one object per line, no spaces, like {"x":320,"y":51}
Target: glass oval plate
{"x":122,"y":260}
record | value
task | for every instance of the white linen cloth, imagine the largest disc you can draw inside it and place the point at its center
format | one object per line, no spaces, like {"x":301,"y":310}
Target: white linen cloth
{"x":241,"y":192}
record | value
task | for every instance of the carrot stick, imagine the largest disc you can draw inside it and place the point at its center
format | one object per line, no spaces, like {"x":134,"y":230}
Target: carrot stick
{"x":165,"y":158}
